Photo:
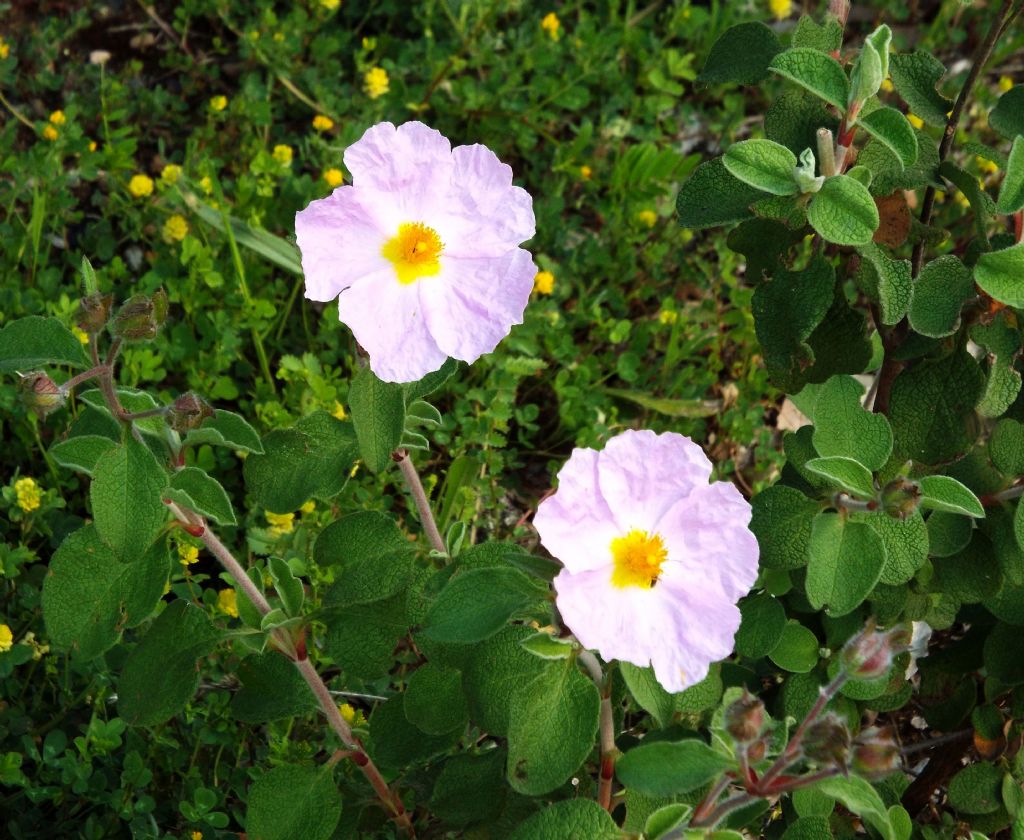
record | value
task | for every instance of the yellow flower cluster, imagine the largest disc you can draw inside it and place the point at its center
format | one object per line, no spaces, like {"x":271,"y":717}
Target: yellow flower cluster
{"x":28,"y":494}
{"x":376,"y":82}
{"x":544,"y":282}
{"x":1005,"y":83}
{"x":6,"y":638}
{"x":308,"y":507}
{"x":5,"y":48}
{"x":175,"y":228}
{"x":227,"y":602}
{"x":218,"y":103}
{"x":50,"y":133}
{"x":353,"y":717}
{"x":283,"y":154}
{"x":647,"y":217}
{"x":586,"y":173}
{"x":206,"y":184}
{"x":551,"y":24}
{"x":140,"y":186}
{"x":668,"y":316}
{"x":333,"y":177}
{"x":80,"y":334}
{"x":188,"y":554}
{"x":780,"y":9}
{"x":280,"y":523}
{"x":322,"y":123}
{"x":58,"y":118}
{"x":170,"y":174}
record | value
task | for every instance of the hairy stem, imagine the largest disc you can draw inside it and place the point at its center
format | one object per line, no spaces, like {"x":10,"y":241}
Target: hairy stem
{"x":85,"y":376}
{"x":419,"y":495}
{"x":606,"y":730}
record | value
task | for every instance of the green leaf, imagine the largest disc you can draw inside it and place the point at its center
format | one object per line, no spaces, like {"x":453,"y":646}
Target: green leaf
{"x":547,"y":646}
{"x":35,"y":341}
{"x":1002,"y":655}
{"x":496,"y":668}
{"x":1006,"y":447}
{"x":762,"y":621}
{"x":940,"y":492}
{"x":363,"y":636}
{"x":1011,"y":193}
{"x":906,"y":544}
{"x":666,"y":406}
{"x":378,"y":414}
{"x":125,"y":494}
{"x":895,"y":285}
{"x":764,"y":165}
{"x":890,"y":127}
{"x":712,"y":197}
{"x":781,"y":521}
{"x":552,"y":728}
{"x":192,"y":488}
{"x":570,"y":819}
{"x":809,"y":828}
{"x":793,"y":119}
{"x":470,"y":788}
{"x":313,"y":459}
{"x":475,"y":604}
{"x":1008,"y":116}
{"x":975,"y":789}
{"x":665,"y":819}
{"x":648,"y":693}
{"x":272,"y":689}
{"x":89,"y":595}
{"x":702,"y":696}
{"x":1000,"y":274}
{"x":846,"y":473}
{"x":846,"y":561}
{"x":160,"y":676}
{"x":288,"y":587}
{"x":839,"y":342}
{"x":941,"y":289}
{"x":932,"y":408}
{"x":81,"y":453}
{"x":815,"y":71}
{"x":292,"y":801}
{"x":858,"y":796}
{"x":272,"y":248}
{"x":372,"y":558}
{"x":871,"y":66}
{"x":741,"y":54}
{"x":132,"y":400}
{"x":826,"y":37}
{"x":947,"y":534}
{"x":788,"y":307}
{"x":228,"y":429}
{"x":433,"y":700}
{"x":981,"y":204}
{"x":844,"y":428}
{"x":669,"y":768}
{"x":844,"y":212}
{"x":797,"y":650}
{"x":972,"y":577}
{"x":915,"y":75}
{"x":396,"y":743}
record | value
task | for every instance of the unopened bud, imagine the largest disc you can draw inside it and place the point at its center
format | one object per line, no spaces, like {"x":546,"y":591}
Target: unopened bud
{"x":40,"y":394}
{"x":188,"y":412}
{"x":744,"y":718}
{"x":136,"y":320}
{"x":160,"y":306}
{"x":900,"y":498}
{"x":875,"y":752}
{"x":869,"y":654}
{"x":93,"y":312}
{"x":827,"y":740}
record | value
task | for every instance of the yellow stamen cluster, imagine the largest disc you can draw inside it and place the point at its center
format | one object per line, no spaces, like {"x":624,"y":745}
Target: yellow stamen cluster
{"x":218,"y":103}
{"x":50,"y":133}
{"x":188,"y":554}
{"x":27,"y":492}
{"x":175,"y":228}
{"x":58,"y":118}
{"x":637,"y":559}
{"x":648,"y":218}
{"x":414,"y":251}
{"x":780,"y":9}
{"x":376,"y":82}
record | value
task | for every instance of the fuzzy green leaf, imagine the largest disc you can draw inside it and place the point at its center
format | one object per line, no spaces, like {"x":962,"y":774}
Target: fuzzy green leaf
{"x":434,"y":701}
{"x":797,"y":650}
{"x":895,"y":285}
{"x":648,"y":693}
{"x":81,"y":453}
{"x":570,"y":819}
{"x":844,"y":428}
{"x":378,"y":414}
{"x":35,"y":341}
{"x":846,"y":561}
{"x":475,"y":604}
{"x":669,"y":768}
{"x":941,"y":289}
{"x":781,"y":521}
{"x":228,"y":429}
{"x":845,"y":473}
{"x":712,"y":197}
{"x":292,"y":801}
{"x":741,"y":54}
{"x":764,"y":165}
{"x":915,"y":75}
{"x":1011,"y":193}
{"x":1000,"y":274}
{"x":194,"y":489}
{"x":889,"y":126}
{"x":1008,"y":116}
{"x":844,"y":212}
{"x":819,"y":73}
{"x":940,"y":492}
{"x":762,"y":620}
{"x":272,"y":689}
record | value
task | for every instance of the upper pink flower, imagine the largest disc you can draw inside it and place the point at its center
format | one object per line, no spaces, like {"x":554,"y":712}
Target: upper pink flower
{"x":423,"y":249}
{"x":655,"y":558}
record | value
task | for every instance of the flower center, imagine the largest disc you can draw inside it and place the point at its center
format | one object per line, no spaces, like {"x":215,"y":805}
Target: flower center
{"x":414,"y":251}
{"x":637,"y":558}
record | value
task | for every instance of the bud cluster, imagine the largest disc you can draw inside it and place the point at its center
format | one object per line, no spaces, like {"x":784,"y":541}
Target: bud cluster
{"x":140,"y":317}
{"x":188,"y":412}
{"x":870,"y":654}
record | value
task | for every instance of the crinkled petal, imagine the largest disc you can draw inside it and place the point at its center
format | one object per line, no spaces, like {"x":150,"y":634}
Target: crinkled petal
{"x":574,"y":524}
{"x":387,"y":319}
{"x":642,"y":474}
{"x":473,"y":304}
{"x":707,"y":535}
{"x":340,"y":240}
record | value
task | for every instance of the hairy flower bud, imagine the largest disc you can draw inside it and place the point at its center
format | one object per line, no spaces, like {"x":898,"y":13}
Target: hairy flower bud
{"x":875,"y":753}
{"x":744,"y":718}
{"x":40,"y":393}
{"x":827,"y":740}
{"x":93,"y":312}
{"x":900,"y":498}
{"x":870,"y":653}
{"x":139,"y":317}
{"x":188,"y":412}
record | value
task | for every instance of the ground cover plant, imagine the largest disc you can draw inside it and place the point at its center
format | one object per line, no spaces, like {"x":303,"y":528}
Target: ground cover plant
{"x":498,"y":420}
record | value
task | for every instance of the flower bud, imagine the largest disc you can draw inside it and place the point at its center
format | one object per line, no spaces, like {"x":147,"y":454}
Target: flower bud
{"x":188,"y":412}
{"x":744,"y":718}
{"x":875,"y":752}
{"x":139,"y":317}
{"x":93,"y":312}
{"x":40,"y":394}
{"x":870,"y":653}
{"x":827,"y":740}
{"x":900,"y":498}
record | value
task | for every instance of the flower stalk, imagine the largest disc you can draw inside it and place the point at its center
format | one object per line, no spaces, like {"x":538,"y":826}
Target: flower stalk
{"x":419,"y":496}
{"x":606,"y":728}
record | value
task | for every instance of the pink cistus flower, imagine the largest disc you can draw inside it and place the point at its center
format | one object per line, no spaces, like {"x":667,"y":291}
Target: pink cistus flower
{"x":422,"y":250}
{"x":655,"y":558}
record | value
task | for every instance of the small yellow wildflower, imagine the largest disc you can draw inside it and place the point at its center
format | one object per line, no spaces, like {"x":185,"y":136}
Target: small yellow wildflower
{"x":339,"y":411}
{"x":353,"y":717}
{"x":544,"y":282}
{"x":206,"y":184}
{"x":175,"y":228}
{"x":197,"y":835}
{"x":962,"y":200}
{"x":376,"y":82}
{"x":887,"y":86}
{"x":218,"y":103}
{"x":280,"y":523}
{"x":330,"y":5}
{"x":80,"y":334}
{"x":355,"y":468}
{"x":140,"y":186}
{"x":283,"y":154}
{"x":278,"y":37}
{"x":227,"y":602}
{"x":170,"y":174}
{"x":551,"y":24}
{"x":1005,"y":83}
{"x":58,"y":118}
{"x":92,"y":145}
{"x":254,"y":35}
{"x":586,"y":172}
{"x":6,"y":638}
{"x":28,"y":494}
{"x":780,"y":9}
{"x":987,"y":166}
{"x":5,"y":48}
{"x":333,"y":177}
{"x":188,"y":554}
{"x":648,"y":217}
{"x":915,"y":120}
{"x":50,"y":133}
{"x":308,"y":507}
{"x":322,"y":123}
{"x":668,"y":316}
